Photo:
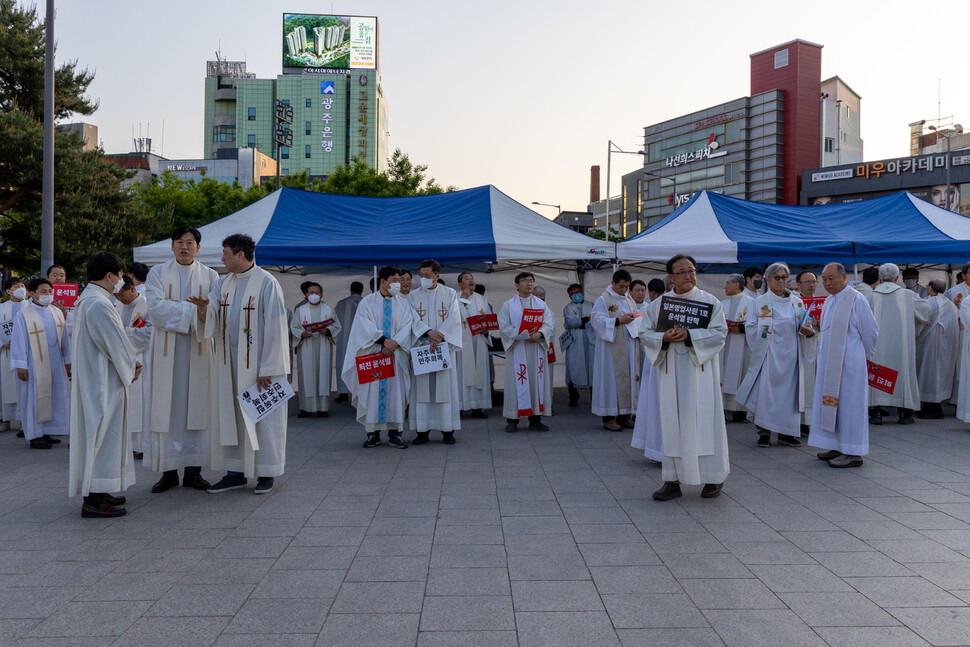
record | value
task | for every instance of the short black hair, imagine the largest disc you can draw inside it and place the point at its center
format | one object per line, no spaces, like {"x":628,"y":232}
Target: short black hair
{"x":139,"y":271}
{"x":911,"y":271}
{"x":870,"y":275}
{"x":656,"y":285}
{"x":370,"y":282}
{"x":102,"y":263}
{"x":480,"y":289}
{"x":387,"y":272}
{"x":799,"y":276}
{"x":37,"y":282}
{"x":461,"y":276}
{"x":403,"y":271}
{"x":524,"y":275}
{"x":636,"y":282}
{"x":240,"y":243}
{"x":433,"y":264}
{"x":680,"y":257}
{"x":126,"y":282}
{"x":12,"y":281}
{"x":750,"y":272}
{"x":313,"y":284}
{"x":622,"y":275}
{"x":356,"y":287}
{"x":574,"y":286}
{"x":305,"y":286}
{"x":55,"y":266}
{"x":181,"y":231}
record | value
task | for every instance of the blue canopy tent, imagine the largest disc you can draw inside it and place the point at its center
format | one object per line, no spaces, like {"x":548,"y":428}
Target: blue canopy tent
{"x":717,"y":229}
{"x":474,"y":227}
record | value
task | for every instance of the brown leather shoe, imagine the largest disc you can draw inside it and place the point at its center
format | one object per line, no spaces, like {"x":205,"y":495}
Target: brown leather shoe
{"x":609,"y":424}
{"x":625,"y":421}
{"x":105,"y":510}
{"x":39,"y":443}
{"x":114,"y":500}
{"x":670,"y":490}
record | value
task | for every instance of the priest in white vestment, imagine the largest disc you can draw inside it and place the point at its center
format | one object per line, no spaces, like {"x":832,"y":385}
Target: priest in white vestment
{"x":900,"y":315}
{"x":870,"y":279}
{"x":315,"y":351}
{"x":526,"y":326}
{"x":782,"y":340}
{"x":104,"y":366}
{"x":578,"y":342}
{"x":937,"y":348}
{"x":180,"y":371}
{"x":383,"y":326}
{"x":138,"y":328}
{"x":735,"y":357}
{"x":688,"y":383}
{"x":753,"y":282}
{"x":40,"y":355}
{"x":848,"y":338}
{"x":473,"y":357}
{"x":436,"y":397}
{"x":807,"y":285}
{"x":616,"y":374}
{"x":246,"y":316}
{"x":956,"y":294}
{"x":345,"y":311}
{"x":16,"y":289}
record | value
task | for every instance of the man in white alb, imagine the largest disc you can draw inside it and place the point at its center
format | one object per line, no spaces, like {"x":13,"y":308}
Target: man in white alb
{"x":937,"y":348}
{"x":344,"y":312}
{"x":578,"y":342}
{"x":473,"y":357}
{"x":736,"y":355}
{"x":16,"y":289}
{"x":616,"y":374}
{"x":314,"y":329}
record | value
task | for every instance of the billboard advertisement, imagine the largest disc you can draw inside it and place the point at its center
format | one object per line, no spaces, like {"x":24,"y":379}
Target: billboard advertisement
{"x":320,"y":42}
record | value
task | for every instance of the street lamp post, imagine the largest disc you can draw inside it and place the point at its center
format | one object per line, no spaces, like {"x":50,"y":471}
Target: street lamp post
{"x":546,"y":204}
{"x":610,"y":149}
{"x":947,"y":133}
{"x":661,"y":178}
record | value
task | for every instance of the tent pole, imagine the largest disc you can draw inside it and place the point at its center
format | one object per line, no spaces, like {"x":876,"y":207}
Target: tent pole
{"x":375,"y":279}
{"x":855,"y":270}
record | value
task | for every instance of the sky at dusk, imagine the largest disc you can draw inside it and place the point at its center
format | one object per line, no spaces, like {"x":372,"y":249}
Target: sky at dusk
{"x":524,"y":95}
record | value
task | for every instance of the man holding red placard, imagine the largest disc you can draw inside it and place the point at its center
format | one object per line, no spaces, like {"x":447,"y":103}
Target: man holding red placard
{"x":849,"y":334}
{"x":473,"y":358}
{"x":375,"y":367}
{"x":526,"y":326}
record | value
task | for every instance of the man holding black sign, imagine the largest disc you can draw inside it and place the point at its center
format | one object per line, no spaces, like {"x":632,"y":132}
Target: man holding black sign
{"x":685,"y":331}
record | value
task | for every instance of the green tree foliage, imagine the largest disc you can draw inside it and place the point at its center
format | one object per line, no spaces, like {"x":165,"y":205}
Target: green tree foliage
{"x":599,"y":234}
{"x":402,"y":179}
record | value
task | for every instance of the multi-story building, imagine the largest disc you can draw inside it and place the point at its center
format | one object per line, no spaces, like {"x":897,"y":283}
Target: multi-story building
{"x":841,"y":124}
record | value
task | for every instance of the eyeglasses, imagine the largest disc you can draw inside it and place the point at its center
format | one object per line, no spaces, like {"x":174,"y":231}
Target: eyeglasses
{"x":685,"y":273}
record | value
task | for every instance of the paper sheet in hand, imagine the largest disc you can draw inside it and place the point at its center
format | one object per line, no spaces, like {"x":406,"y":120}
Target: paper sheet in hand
{"x":424,"y":360}
{"x":683,"y":313}
{"x":258,"y":404}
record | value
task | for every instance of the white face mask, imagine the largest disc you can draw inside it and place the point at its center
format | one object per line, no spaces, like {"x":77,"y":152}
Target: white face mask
{"x":20,"y":293}
{"x":394,"y":288}
{"x":45,"y":299}
{"x":140,"y":289}
{"x":314,"y":299}
{"x":427,"y":283}
{"x":117,"y":288}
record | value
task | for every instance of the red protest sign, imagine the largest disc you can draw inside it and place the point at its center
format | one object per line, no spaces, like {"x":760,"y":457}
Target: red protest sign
{"x":478,"y":324}
{"x":814,"y":306}
{"x":66,"y":293}
{"x":551,"y":354}
{"x":374,"y":367}
{"x":531,"y":320}
{"x":317,"y":326}
{"x":882,"y":378}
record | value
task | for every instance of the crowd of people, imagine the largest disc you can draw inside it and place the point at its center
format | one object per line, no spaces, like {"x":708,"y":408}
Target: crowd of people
{"x":168,"y":364}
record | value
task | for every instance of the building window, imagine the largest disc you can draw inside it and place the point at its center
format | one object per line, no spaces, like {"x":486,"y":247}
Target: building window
{"x":309,"y":104}
{"x":781,"y":58}
{"x":251,"y":141}
{"x":306,"y":152}
{"x":829,"y":144}
{"x":732,"y":173}
{"x":308,"y":128}
{"x":224,"y":133}
{"x":284,"y":152}
{"x":732,"y":131}
{"x":252,"y":114}
{"x":848,"y":112}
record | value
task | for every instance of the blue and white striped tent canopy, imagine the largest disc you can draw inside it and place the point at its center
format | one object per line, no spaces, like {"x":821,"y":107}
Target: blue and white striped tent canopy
{"x":714,"y":228}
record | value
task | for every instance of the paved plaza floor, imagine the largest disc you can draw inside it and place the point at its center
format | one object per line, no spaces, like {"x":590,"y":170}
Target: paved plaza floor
{"x":503,"y":539}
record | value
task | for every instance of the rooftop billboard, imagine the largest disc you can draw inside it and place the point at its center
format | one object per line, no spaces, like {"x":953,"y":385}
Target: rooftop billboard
{"x":321,"y":42}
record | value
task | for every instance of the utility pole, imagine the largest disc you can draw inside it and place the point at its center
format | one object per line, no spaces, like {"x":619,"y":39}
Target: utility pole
{"x":47,"y":194}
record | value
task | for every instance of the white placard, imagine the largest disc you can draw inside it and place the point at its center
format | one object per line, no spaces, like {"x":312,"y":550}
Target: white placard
{"x":258,"y":404}
{"x":6,"y":330}
{"x":424,"y":360}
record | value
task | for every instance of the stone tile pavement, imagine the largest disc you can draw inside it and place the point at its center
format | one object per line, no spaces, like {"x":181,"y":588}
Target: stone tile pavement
{"x":526,"y":539}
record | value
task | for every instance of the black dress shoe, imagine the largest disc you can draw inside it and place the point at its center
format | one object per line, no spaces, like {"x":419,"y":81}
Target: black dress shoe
{"x":138,"y":455}
{"x":39,"y":443}
{"x":196,"y":481}
{"x":303,"y":414}
{"x":421,"y":438}
{"x":20,"y":434}
{"x":929,"y":415}
{"x":538,"y":426}
{"x":448,"y":437}
{"x":512,"y":426}
{"x":670,"y":490}
{"x":875,"y":418}
{"x":712,"y":490}
{"x":479,"y":413}
{"x":323,"y":414}
{"x":104,"y":510}
{"x":51,"y":439}
{"x":167,"y":482}
{"x":114,"y":500}
{"x":343,"y":397}
{"x":228,"y":482}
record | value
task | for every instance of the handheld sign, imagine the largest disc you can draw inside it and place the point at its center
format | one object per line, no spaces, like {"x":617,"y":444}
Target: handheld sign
{"x":477,"y":324}
{"x":258,"y":404}
{"x":814,"y":306}
{"x":424,"y":360}
{"x":66,"y":293}
{"x":531,"y":320}
{"x":6,"y":330}
{"x":683,"y":313}
{"x":551,"y":354}
{"x":882,"y":378}
{"x":374,"y":367}
{"x":318,"y":326}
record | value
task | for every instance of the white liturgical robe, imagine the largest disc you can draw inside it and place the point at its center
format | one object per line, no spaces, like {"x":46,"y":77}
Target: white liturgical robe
{"x":963,"y":386}
{"x":866,"y":292}
{"x":436,"y":397}
{"x":41,"y":345}
{"x":956,"y":294}
{"x":848,"y":338}
{"x":528,"y":383}
{"x":9,"y":395}
{"x":179,"y":373}
{"x":247,"y":318}
{"x":616,"y":374}
{"x":774,"y":388}
{"x":937,"y":347}
{"x":380,"y":404}
{"x":578,"y":344}
{"x":735,"y":357}
{"x":138,"y":328}
{"x":473,"y":356}
{"x":102,"y":371}
{"x":900,"y":315}
{"x":314,"y":355}
{"x":344,"y":312}
{"x":688,"y":382}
